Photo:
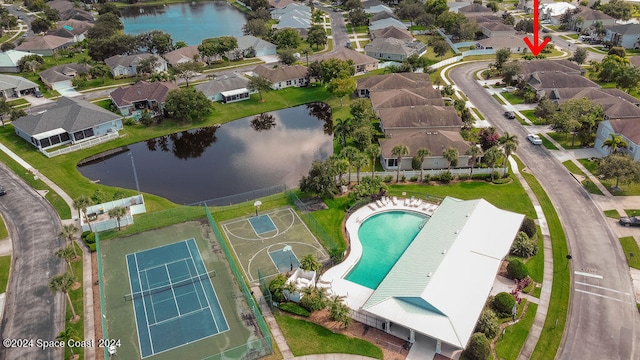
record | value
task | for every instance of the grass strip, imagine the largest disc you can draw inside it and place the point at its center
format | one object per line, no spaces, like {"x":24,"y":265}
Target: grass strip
{"x":512,"y":98}
{"x":614,"y":214}
{"x":498,"y":99}
{"x":78,"y":305}
{"x":5,"y":265}
{"x":4,"y":233}
{"x":513,"y":338}
{"x":632,"y":212}
{"x":306,"y":338}
{"x":572,"y":167}
{"x":631,"y":251}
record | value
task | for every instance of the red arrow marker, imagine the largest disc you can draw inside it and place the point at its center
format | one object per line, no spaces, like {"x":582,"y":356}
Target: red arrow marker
{"x":535,"y":47}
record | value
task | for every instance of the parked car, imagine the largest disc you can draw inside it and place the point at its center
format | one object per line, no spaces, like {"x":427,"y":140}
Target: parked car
{"x":534,"y":139}
{"x":630,"y":221}
{"x":37,"y":94}
{"x":2,"y":191}
{"x":509,"y":115}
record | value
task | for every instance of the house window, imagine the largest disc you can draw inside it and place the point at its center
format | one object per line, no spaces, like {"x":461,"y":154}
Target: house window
{"x":88,"y":133}
{"x":55,"y":139}
{"x":64,"y":137}
{"x":78,"y":135}
{"x":288,"y":82}
{"x":45,"y":143}
{"x":392,"y":162}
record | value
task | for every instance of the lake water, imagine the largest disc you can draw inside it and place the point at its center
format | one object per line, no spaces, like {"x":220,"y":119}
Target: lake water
{"x":188,"y":22}
{"x":208,"y":163}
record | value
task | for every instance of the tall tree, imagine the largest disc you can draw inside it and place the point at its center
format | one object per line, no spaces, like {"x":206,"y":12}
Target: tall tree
{"x":259,"y":83}
{"x":474,"y":152}
{"x":317,"y":36}
{"x":188,"y":105}
{"x":187,"y":70}
{"x":350,"y":154}
{"x":321,"y":179}
{"x":81,"y":203}
{"x":287,"y":56}
{"x":287,"y":38}
{"x":579,"y":56}
{"x":342,"y":129}
{"x":621,"y":167}
{"x":510,"y":145}
{"x":615,"y":143}
{"x":373,"y":150}
{"x":492,"y":156}
{"x":451,"y":155}
{"x":310,"y":263}
{"x":118,"y":213}
{"x":421,"y":154}
{"x":441,"y":48}
{"x":68,"y":233}
{"x":63,"y":283}
{"x":410,"y":9}
{"x":359,"y":161}
{"x":67,"y":254}
{"x":341,"y":87}
{"x":399,"y":151}
{"x":68,"y":334}
{"x":148,"y":65}
{"x":100,"y":71}
{"x":578,"y":116}
{"x":502,"y":56}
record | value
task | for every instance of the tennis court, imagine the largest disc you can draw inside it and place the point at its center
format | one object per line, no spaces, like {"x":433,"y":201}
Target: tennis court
{"x":174,"y":300}
{"x":272,"y":242}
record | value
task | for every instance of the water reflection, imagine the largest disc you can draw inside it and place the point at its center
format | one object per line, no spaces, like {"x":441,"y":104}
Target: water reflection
{"x":322,"y":111}
{"x":209,"y":163}
{"x":264,"y":121}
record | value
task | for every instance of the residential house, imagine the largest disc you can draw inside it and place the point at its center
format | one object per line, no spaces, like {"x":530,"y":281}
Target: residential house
{"x":182,"y":55}
{"x":628,"y":129}
{"x":284,"y":76}
{"x":383,"y":15}
{"x":127,"y":65}
{"x":278,"y":4}
{"x":9,"y":60}
{"x":409,"y":119}
{"x":69,"y":11}
{"x":226,"y":89}
{"x":406,"y":97}
{"x":545,"y":81}
{"x":553,"y":11}
{"x":376,"y":9}
{"x":295,"y":16}
{"x":473,"y":10}
{"x":16,"y":86}
{"x":384,"y":23}
{"x":563,"y":94}
{"x":539,"y":65}
{"x":67,"y":120}
{"x":513,"y":43}
{"x":61,"y":76}
{"x":496,"y":29}
{"x":435,"y":140}
{"x":392,"y":32}
{"x":71,"y":29}
{"x":361,"y":63}
{"x":44,"y":45}
{"x":586,"y":17}
{"x":251,"y":46}
{"x":134,"y":99}
{"x":394,"y":49}
{"x":373,"y":83}
{"x":625,"y":35}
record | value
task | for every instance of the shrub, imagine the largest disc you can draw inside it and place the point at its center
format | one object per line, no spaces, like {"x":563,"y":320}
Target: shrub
{"x":294,"y":309}
{"x":403,"y":178}
{"x":463,"y":177}
{"x":479,"y":347}
{"x":488,"y":323}
{"x":517,"y":269}
{"x":388,"y":178}
{"x":276,"y":287}
{"x":529,"y":227}
{"x":414,"y":178}
{"x":425,"y":178}
{"x":85,"y":234}
{"x":503,"y":303}
{"x":446,"y":177}
{"x":90,"y":239}
{"x":523,"y":246}
{"x":617,"y":50}
{"x":481,"y":176}
{"x":501,"y":181}
{"x":128,"y":121}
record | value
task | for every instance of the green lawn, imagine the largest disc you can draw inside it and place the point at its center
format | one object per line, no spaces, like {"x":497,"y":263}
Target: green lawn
{"x":78,"y":305}
{"x":547,"y":143}
{"x":614,"y":214}
{"x":624,"y":189}
{"x":573,"y":168}
{"x":332,"y":218}
{"x":630,"y":246}
{"x":5,"y":266}
{"x":632,"y":212}
{"x":565,"y":140}
{"x":306,"y":338}
{"x":509,"y":344}
{"x":498,"y":99}
{"x":3,"y":229}
{"x":512,"y":98}
{"x":591,"y":166}
{"x":535,"y":265}
{"x":534,"y":119}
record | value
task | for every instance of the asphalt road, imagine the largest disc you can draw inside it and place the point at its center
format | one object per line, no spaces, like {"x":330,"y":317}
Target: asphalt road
{"x":603,"y":320}
{"x":31,"y":310}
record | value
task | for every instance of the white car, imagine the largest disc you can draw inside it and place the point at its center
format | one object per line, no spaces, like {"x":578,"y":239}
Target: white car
{"x":534,"y":139}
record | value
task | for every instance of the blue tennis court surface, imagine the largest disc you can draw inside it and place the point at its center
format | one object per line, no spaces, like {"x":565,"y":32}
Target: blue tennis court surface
{"x":262,"y":224}
{"x":284,"y":260}
{"x":173,"y":297}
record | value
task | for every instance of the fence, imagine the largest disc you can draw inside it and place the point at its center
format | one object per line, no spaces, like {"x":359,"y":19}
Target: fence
{"x":429,"y":172}
{"x":82,"y":145}
{"x":243,"y":197}
{"x":253,"y":349}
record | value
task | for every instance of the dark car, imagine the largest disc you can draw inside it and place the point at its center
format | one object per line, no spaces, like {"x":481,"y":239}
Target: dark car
{"x":2,"y":191}
{"x":37,"y":94}
{"x":509,"y":115}
{"x":630,"y":221}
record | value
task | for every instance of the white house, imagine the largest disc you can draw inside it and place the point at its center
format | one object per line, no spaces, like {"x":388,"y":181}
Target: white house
{"x":127,"y":65}
{"x":628,"y":129}
{"x":625,"y":35}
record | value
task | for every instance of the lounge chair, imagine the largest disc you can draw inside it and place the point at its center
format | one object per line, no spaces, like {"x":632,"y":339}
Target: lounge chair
{"x":371,"y":207}
{"x":406,"y":202}
{"x":418,"y":203}
{"x":380,"y":204}
{"x":394,"y":200}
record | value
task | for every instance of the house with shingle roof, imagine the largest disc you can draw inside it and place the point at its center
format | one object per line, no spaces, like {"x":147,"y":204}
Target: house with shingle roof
{"x":226,"y":89}
{"x":182,"y":55}
{"x":16,"y":86}
{"x":383,"y":23}
{"x":409,"y":119}
{"x":142,"y":96}
{"x":361,"y":63}
{"x":625,"y":35}
{"x":513,"y":43}
{"x":628,"y":129}
{"x":589,"y":17}
{"x":394,"y":49}
{"x":9,"y":60}
{"x":406,"y":97}
{"x":67,"y":120}
{"x":61,"y":76}
{"x":391,"y":81}
{"x":474,"y":10}
{"x":127,"y":65}
{"x":73,"y":29}
{"x":278,"y":4}
{"x":378,"y":9}
{"x":434,"y":140}
{"x":546,"y":81}
{"x":383,"y":15}
{"x":283,"y":76}
{"x":251,"y":46}
{"x":563,"y":94}
{"x":392,"y":32}
{"x":496,"y":29}
{"x":44,"y":45}
{"x":528,"y":67}
{"x":69,"y":10}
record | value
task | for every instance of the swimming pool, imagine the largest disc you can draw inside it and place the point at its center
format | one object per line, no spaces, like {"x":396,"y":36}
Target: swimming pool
{"x":384,"y":238}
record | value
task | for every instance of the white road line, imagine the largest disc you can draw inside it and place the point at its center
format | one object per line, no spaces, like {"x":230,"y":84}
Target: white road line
{"x":603,"y":296}
{"x":603,"y":288}
{"x":588,"y":274}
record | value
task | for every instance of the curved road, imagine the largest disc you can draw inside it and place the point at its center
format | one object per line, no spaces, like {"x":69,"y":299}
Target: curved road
{"x":603,"y":322}
{"x":31,"y":310}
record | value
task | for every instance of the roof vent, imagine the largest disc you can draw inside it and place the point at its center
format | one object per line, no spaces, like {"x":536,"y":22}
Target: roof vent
{"x":444,"y":251}
{"x":457,"y":231}
{"x":429,"y":274}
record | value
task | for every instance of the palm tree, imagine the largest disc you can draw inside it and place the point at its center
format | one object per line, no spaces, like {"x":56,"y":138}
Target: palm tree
{"x":66,"y":253}
{"x":373,"y":150}
{"x":359,"y":161}
{"x":399,"y":151}
{"x":339,"y":311}
{"x":349,"y":153}
{"x":117,"y":212}
{"x":63,"y":283}
{"x":66,"y":335}
{"x":68,"y":233}
{"x":342,"y":128}
{"x":310,"y":263}
{"x":491,"y":156}
{"x":306,"y":51}
{"x":510,"y":144}
{"x":341,"y":166}
{"x":421,"y":154}
{"x":474,"y":152}
{"x":614,"y":143}
{"x":81,"y":203}
{"x":451,"y":155}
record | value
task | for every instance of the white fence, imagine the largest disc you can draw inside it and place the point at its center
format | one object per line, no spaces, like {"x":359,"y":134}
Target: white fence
{"x":81,"y":145}
{"x":134,"y":205}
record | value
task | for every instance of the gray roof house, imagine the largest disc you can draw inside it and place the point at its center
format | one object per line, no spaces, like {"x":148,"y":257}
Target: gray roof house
{"x":394,"y":121}
{"x":628,"y":129}
{"x":383,"y":23}
{"x":562,"y":65}
{"x":182,"y":55}
{"x":44,"y":45}
{"x":16,"y":86}
{"x":496,"y":29}
{"x":406,"y":97}
{"x":9,"y":60}
{"x":68,"y":10}
{"x":248,"y":42}
{"x":590,"y":17}
{"x":61,"y":76}
{"x":544,"y":81}
{"x":625,"y":35}
{"x":392,"y":32}
{"x":434,"y":140}
{"x":225,"y":89}
{"x":513,"y":43}
{"x":474,"y":9}
{"x":563,"y":94}
{"x":127,"y":65}
{"x":361,"y":63}
{"x":383,"y":15}
{"x":74,"y":29}
{"x":67,"y":121}
{"x":394,"y":49}
{"x":373,"y":83}
{"x":378,"y":9}
{"x":284,"y":76}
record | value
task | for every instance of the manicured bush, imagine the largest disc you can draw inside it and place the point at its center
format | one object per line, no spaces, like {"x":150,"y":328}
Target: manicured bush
{"x":479,"y":347}
{"x":85,"y":234}
{"x":426,"y":178}
{"x":294,"y":309}
{"x":529,"y":227}
{"x":463,"y":177}
{"x":517,"y":269}
{"x":523,"y":246}
{"x":488,"y":323}
{"x":403,"y":178}
{"x":446,"y":177}
{"x":388,"y":178}
{"x":503,"y":304}
{"x":90,"y":239}
{"x":276,"y":287}
{"x":413,"y":178}
{"x":617,"y":50}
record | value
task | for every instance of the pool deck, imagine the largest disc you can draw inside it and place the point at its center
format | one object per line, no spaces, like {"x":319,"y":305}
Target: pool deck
{"x":356,"y":295}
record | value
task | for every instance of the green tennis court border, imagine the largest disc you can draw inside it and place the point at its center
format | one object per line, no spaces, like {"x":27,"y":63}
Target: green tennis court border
{"x":243,"y":339}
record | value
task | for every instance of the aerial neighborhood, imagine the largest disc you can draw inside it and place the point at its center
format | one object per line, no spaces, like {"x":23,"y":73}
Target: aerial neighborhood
{"x":389,"y":179}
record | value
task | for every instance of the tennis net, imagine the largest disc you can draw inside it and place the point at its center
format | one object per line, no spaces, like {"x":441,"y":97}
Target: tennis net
{"x":173,"y":285}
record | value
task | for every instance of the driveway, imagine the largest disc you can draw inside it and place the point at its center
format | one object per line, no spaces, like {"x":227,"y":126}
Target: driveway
{"x":34,"y":101}
{"x":603,"y":321}
{"x":31,"y":310}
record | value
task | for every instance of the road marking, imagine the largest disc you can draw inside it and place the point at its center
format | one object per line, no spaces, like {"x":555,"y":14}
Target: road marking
{"x":588,"y":274}
{"x":603,"y":296}
{"x":603,"y":288}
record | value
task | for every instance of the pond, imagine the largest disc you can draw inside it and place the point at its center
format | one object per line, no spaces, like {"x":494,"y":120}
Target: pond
{"x":188,"y":22}
{"x":241,"y":156}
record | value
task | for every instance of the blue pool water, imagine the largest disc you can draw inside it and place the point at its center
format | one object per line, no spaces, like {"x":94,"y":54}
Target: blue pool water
{"x":384,"y":239}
